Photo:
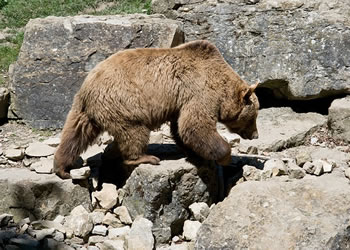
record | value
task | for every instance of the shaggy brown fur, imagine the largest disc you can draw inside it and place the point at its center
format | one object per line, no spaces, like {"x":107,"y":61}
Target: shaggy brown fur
{"x":134,"y":91}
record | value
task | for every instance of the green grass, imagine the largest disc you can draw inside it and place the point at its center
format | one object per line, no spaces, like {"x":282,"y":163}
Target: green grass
{"x":16,"y":13}
{"x":9,"y":53}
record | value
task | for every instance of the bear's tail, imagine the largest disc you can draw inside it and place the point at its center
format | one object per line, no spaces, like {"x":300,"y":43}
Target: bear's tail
{"x":78,"y":133}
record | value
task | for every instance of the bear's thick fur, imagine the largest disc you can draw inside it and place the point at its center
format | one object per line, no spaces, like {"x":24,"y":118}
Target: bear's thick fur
{"x":134,"y":91}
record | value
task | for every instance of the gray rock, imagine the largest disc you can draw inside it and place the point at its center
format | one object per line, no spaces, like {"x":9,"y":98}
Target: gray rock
{"x":302,"y":44}
{"x":58,"y":236}
{"x":251,"y":173}
{"x":27,"y":194}
{"x":115,"y":233}
{"x":191,"y":229}
{"x":80,"y":173}
{"x":295,"y":172}
{"x":309,"y":167}
{"x":94,"y":239}
{"x":276,"y":166}
{"x":58,"y":52}
{"x":14,"y":154}
{"x":300,"y":214}
{"x":38,"y":149}
{"x":281,"y":128}
{"x":318,"y":168}
{"x":123,"y":215}
{"x":140,"y":236}
{"x":100,"y":230}
{"x":163,"y":193}
{"x":199,"y":210}
{"x":79,"y":222}
{"x":111,"y":220}
{"x":339,"y":118}
{"x":4,"y":102}
{"x":107,"y":198}
{"x":97,"y":217}
{"x":302,"y":157}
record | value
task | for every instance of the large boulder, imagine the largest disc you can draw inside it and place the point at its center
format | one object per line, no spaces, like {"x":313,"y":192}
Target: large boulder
{"x":163,"y":193}
{"x":27,"y":194}
{"x":310,"y":213}
{"x":339,"y":118}
{"x":297,"y":48}
{"x":58,"y":52}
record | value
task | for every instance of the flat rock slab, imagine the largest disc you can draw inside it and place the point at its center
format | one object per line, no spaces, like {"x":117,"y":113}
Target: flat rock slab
{"x":301,"y":214}
{"x":281,"y":128}
{"x":58,"y":52}
{"x":38,"y":196}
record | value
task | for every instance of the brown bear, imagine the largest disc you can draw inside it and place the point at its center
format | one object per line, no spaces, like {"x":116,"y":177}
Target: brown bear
{"x":134,"y":91}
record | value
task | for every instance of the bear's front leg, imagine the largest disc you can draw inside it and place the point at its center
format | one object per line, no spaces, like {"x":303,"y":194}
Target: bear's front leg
{"x":200,"y":135}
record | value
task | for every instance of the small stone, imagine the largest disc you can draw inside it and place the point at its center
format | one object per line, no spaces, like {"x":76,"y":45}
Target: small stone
{"x":5,"y":219}
{"x":100,"y":230}
{"x":94,"y":239}
{"x":92,"y":151}
{"x":80,"y":173}
{"x":309,"y":167}
{"x":327,"y":166}
{"x":156,"y":137}
{"x":14,"y":154}
{"x":105,"y":138}
{"x":97,"y":217}
{"x":347,"y":173}
{"x":190,"y":229}
{"x":115,"y":233}
{"x":200,"y":210}
{"x":302,"y":157}
{"x":111,"y":220}
{"x":318,"y":168}
{"x":140,"y":236}
{"x":176,"y":239}
{"x":107,"y":198}
{"x":123,"y":215}
{"x":58,"y":236}
{"x":244,"y":149}
{"x":295,"y":172}
{"x":251,"y":173}
{"x":79,"y":222}
{"x":23,"y":229}
{"x":27,"y":162}
{"x":313,"y":140}
{"x":53,"y":142}
{"x":276,"y":166}
{"x":38,"y":149}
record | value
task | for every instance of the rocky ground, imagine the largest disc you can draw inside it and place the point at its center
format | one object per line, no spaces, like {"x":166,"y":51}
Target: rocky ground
{"x":290,"y":184}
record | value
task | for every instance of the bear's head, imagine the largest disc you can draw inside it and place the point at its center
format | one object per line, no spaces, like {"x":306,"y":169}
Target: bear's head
{"x":239,"y":114}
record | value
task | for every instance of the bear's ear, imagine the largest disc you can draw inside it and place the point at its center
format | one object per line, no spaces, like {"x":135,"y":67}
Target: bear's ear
{"x":248,"y":92}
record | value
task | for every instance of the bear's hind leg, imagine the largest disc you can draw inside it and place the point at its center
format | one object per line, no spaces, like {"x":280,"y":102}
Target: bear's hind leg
{"x":132,"y":144}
